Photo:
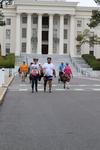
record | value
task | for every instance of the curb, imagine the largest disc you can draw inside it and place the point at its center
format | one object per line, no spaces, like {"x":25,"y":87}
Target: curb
{"x":5,"y":90}
{"x":2,"y":96}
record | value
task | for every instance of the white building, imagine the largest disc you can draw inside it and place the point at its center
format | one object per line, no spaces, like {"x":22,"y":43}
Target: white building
{"x":45,"y":27}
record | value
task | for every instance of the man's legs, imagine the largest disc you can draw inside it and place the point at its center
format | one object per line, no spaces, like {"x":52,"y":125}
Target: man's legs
{"x":45,"y":83}
{"x":36,"y":84}
{"x":23,"y":78}
{"x":50,"y":85}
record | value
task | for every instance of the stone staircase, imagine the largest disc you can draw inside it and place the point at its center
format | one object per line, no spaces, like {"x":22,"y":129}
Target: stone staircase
{"x":56,"y":59}
{"x":81,"y":66}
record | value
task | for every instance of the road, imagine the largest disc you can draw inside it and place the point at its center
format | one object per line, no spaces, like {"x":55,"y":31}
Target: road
{"x":61,"y":120}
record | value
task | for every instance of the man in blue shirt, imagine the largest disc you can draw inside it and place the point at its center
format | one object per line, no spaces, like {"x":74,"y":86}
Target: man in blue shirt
{"x":61,"y":68}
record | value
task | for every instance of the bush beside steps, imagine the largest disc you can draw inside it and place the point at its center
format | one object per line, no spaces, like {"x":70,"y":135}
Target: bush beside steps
{"x":92,"y":61}
{"x":7,"y":61}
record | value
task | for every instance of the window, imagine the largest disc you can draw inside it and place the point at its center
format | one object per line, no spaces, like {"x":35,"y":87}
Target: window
{"x":91,"y":34}
{"x":8,"y":21}
{"x":45,"y":20}
{"x":65,"y":48}
{"x":34,"y":32}
{"x":23,"y":32}
{"x":8,"y":34}
{"x":79,"y":32}
{"x":35,"y":20}
{"x":44,"y":35}
{"x":23,"y":47}
{"x":55,"y":21}
{"x":55,"y":33}
{"x":79,"y":23}
{"x":65,"y":34}
{"x":7,"y":48}
{"x":24,"y":19}
{"x":65,"y":21}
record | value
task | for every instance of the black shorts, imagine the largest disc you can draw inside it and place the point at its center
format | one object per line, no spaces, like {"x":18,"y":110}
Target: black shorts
{"x":48,"y":78}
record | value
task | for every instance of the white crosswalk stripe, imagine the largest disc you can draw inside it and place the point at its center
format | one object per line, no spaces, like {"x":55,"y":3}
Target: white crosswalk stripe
{"x":78,"y":89}
{"x":25,"y":88}
{"x":96,"y":89}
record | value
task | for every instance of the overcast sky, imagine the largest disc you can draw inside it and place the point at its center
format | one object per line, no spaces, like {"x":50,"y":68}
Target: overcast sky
{"x":85,"y":2}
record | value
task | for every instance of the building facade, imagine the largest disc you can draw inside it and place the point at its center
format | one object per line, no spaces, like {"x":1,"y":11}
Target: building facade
{"x":45,"y":27}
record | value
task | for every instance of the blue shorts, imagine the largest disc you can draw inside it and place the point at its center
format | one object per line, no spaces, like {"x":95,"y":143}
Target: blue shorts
{"x":48,"y":77}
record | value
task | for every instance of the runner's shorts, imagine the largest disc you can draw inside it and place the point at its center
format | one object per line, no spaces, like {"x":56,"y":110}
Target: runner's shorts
{"x":48,"y":78}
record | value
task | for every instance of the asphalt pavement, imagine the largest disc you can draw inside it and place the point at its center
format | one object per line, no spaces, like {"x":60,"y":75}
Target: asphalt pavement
{"x":66,"y":119}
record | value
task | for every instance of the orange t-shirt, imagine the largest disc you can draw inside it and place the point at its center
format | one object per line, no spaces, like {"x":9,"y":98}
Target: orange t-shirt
{"x":23,"y":68}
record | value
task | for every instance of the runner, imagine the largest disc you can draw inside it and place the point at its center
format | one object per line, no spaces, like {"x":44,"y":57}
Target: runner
{"x":23,"y":70}
{"x":49,"y":72}
{"x":34,"y":74}
{"x":61,"y":69}
{"x":67,"y":75}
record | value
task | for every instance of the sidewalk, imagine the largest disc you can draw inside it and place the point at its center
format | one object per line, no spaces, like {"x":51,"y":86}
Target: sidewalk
{"x":4,"y":88}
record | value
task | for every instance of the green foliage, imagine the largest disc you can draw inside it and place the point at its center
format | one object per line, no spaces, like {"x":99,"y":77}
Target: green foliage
{"x":95,"y":19}
{"x":97,"y":1}
{"x":7,"y":61}
{"x":86,"y":37}
{"x":92,"y":61}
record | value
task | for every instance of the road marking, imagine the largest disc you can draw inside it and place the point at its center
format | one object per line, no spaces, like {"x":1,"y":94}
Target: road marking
{"x":23,"y":85}
{"x":54,"y":85}
{"x":96,"y":89}
{"x":22,"y":90}
{"x":60,"y":89}
{"x":96,"y":85}
{"x":83,"y":85}
{"x":78,"y":89}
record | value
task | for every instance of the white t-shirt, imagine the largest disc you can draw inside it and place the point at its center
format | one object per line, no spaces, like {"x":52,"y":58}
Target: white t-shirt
{"x":34,"y":69}
{"x":48,"y":69}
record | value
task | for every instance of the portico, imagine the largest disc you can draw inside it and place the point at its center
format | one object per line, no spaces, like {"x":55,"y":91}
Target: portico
{"x":47,"y":34}
{"x":48,"y":31}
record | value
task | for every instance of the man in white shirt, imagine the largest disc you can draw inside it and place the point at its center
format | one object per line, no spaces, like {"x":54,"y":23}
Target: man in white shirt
{"x":49,"y":72}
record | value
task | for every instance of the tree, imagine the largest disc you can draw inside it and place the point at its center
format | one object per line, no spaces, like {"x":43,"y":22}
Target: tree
{"x":95,"y":19}
{"x":7,"y":2}
{"x":87,"y":37}
{"x":97,"y":1}
{"x":82,"y":37}
{"x":2,"y":22}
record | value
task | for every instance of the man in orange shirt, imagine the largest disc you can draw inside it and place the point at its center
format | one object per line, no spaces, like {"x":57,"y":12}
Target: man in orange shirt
{"x":23,"y":70}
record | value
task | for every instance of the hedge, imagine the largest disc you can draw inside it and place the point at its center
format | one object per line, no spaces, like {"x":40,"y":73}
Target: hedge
{"x":7,"y":61}
{"x":92,"y":61}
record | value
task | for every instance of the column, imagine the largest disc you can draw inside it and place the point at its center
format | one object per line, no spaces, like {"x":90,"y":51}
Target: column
{"x":50,"y":34}
{"x":18,"y":28}
{"x":72,"y":35}
{"x":39,"y":34}
{"x":61,"y":44}
{"x":29,"y":31}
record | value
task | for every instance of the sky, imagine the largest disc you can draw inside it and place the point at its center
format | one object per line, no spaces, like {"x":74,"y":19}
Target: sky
{"x":90,"y":3}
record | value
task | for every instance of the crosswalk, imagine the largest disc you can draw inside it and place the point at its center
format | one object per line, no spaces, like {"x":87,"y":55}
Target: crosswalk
{"x":23,"y":87}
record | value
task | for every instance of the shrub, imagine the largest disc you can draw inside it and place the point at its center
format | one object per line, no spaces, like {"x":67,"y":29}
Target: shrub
{"x":92,"y":61}
{"x":7,"y":61}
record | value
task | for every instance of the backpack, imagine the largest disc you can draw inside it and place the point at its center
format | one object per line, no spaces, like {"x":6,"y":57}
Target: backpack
{"x":34,"y":72}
